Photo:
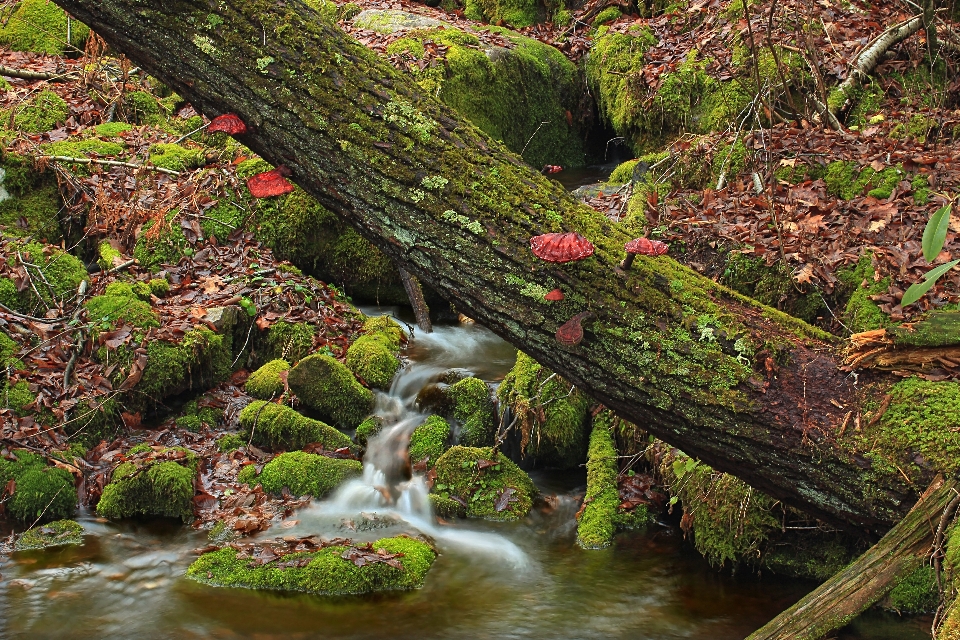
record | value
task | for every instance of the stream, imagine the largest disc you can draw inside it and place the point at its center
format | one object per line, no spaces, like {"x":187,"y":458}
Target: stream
{"x":525,"y":579}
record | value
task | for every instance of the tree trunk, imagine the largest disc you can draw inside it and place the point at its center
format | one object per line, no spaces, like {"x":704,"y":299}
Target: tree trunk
{"x":861,"y":584}
{"x":742,"y":387}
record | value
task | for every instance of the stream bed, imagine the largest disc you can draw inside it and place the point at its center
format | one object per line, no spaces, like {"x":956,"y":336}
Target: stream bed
{"x":526,"y":579}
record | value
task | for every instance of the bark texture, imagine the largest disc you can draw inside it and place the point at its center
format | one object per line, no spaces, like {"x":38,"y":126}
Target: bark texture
{"x":740,"y":386}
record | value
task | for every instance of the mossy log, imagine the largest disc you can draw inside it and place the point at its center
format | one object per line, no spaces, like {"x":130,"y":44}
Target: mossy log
{"x":862,"y":583}
{"x":915,"y":346}
{"x":743,"y":387}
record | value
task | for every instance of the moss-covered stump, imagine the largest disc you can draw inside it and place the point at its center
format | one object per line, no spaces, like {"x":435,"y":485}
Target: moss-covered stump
{"x":429,"y":441}
{"x":277,"y":426}
{"x":473,"y":408}
{"x":151,"y":484}
{"x":492,"y":486}
{"x":41,"y":492}
{"x":324,"y":572}
{"x":303,"y":474}
{"x":41,"y":26}
{"x":552,"y":414}
{"x":373,"y":356}
{"x":266,"y":382}
{"x":54,"y":534}
{"x":601,"y":513}
{"x":328,"y":387}
{"x":61,"y":270}
{"x":509,"y":92}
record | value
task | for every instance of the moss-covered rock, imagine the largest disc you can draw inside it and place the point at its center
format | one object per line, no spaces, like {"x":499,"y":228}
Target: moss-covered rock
{"x":446,"y":507}
{"x":429,"y":440}
{"x":484,"y":480}
{"x":524,"y":95}
{"x":772,"y":285}
{"x":328,"y":572}
{"x":33,"y":214}
{"x":54,"y":534}
{"x":473,"y":408}
{"x":61,"y":270}
{"x":278,"y":426}
{"x":367,"y":429}
{"x":142,"y":107}
{"x":41,"y":492}
{"x":42,"y":113}
{"x":266,"y":382}
{"x":175,"y":157}
{"x":552,"y":414}
{"x":305,"y":474}
{"x":373,"y":356}
{"x":120,"y":305}
{"x":194,"y":417}
{"x":82,"y":148}
{"x":230,"y":442}
{"x":328,"y":387}
{"x":156,"y":487}
{"x":41,"y":26}
{"x":290,"y":341}
{"x":516,"y":13}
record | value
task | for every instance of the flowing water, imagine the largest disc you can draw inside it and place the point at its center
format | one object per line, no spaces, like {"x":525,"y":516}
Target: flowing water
{"x":525,"y":579}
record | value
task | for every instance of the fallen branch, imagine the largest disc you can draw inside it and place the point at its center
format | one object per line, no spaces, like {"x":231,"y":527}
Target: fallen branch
{"x":417,"y":301}
{"x":870,"y":577}
{"x":23,"y":74}
{"x":110,"y":163}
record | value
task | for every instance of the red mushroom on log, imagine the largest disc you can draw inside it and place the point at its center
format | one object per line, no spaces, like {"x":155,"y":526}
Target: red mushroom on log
{"x":229,"y":123}
{"x":570,"y":332}
{"x":554,"y":296}
{"x":643,"y":247}
{"x":270,"y":183}
{"x":561,"y":247}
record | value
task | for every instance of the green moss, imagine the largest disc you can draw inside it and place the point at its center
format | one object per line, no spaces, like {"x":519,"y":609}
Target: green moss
{"x":17,"y":396}
{"x":916,"y":593}
{"x":112,"y":129}
{"x":367,"y":429}
{"x":623,"y":173}
{"x":373,"y":356}
{"x":175,"y":157}
{"x":279,"y":427}
{"x":116,"y":310}
{"x":54,"y":534}
{"x":290,"y":341}
{"x":230,"y":442}
{"x":266,"y":383}
{"x":108,"y":256}
{"x":306,"y":474}
{"x":8,"y":351}
{"x":34,"y":214}
{"x":41,"y":26}
{"x":516,"y":13}
{"x":446,"y":508}
{"x":327,"y":386}
{"x":595,"y":528}
{"x":610,"y":14}
{"x":429,"y":440}
{"x":458,"y":474}
{"x":328,"y":573}
{"x":82,"y":148}
{"x":166,"y":247}
{"x":773,"y":286}
{"x":845,"y":181}
{"x":194,"y":417}
{"x":552,"y":413}
{"x":143,"y":108}
{"x":61,"y":270}
{"x":41,"y":114}
{"x":862,"y":313}
{"x":474,"y":410}
{"x":42,"y":493}
{"x":159,"y":287}
{"x":154,"y":487}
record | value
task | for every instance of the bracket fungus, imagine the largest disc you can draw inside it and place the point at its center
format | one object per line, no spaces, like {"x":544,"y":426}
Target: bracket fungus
{"x":561,"y":247}
{"x":554,"y":296}
{"x":642,"y":247}
{"x":229,"y":123}
{"x":570,"y":332}
{"x":270,"y":183}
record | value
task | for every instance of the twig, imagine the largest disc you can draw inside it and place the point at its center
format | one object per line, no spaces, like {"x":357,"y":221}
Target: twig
{"x":121,"y":266}
{"x":531,"y":136}
{"x":23,"y":74}
{"x":110,"y":163}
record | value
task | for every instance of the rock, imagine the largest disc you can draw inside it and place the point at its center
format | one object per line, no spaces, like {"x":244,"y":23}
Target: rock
{"x":303,"y":474}
{"x":327,"y":386}
{"x":277,"y":426}
{"x":490,"y":485}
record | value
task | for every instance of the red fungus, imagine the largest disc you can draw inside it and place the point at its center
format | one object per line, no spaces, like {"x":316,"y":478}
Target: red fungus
{"x":229,"y":123}
{"x":570,"y":332}
{"x":561,"y":247}
{"x":554,"y":296}
{"x":270,"y":183}
{"x":643,"y":247}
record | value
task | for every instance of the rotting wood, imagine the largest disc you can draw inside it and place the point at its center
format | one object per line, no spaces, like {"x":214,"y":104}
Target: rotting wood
{"x":870,"y":577}
{"x":415,"y":293}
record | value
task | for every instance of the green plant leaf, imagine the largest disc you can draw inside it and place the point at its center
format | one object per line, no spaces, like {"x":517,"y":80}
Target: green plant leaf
{"x":935,"y":233}
{"x":916,"y":291}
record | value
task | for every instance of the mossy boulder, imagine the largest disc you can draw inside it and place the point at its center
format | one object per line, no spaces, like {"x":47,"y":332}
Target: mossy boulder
{"x":552,"y":414}
{"x":54,"y":534}
{"x":290,"y":341}
{"x":303,"y":474}
{"x":175,"y":157}
{"x":41,"y":113}
{"x":328,"y":387}
{"x":373,"y":356}
{"x":429,"y":440}
{"x":492,"y":486}
{"x":278,"y":426}
{"x":41,"y":26}
{"x":368,"y":429}
{"x":61,"y":270}
{"x":525,"y":95}
{"x":473,"y":409}
{"x":515,"y":13}
{"x":41,"y":492}
{"x":120,"y":305}
{"x":266,"y":382}
{"x":30,"y":201}
{"x":327,"y":572}
{"x":158,"y":486}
